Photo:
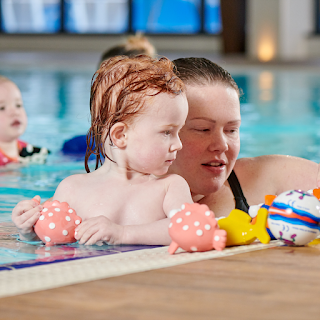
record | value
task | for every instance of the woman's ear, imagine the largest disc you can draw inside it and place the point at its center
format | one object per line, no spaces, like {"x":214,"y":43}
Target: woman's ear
{"x":118,"y":134}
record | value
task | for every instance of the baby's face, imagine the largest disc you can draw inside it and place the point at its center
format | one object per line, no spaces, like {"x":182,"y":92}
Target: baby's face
{"x":13,"y":118}
{"x":153,"y":138}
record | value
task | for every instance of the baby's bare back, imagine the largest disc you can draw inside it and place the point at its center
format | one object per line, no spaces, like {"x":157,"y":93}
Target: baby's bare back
{"x":124,"y":202}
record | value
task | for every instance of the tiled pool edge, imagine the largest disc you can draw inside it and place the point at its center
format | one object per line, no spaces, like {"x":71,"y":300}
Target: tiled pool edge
{"x":44,"y":277}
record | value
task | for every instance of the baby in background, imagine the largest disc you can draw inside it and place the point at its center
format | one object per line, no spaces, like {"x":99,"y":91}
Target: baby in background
{"x":138,"y":106}
{"x":13,"y":123}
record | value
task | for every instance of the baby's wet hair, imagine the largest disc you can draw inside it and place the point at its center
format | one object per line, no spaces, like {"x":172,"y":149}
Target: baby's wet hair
{"x":119,"y":90}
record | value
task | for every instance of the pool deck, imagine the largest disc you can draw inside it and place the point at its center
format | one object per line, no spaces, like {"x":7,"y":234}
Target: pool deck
{"x":276,"y":283}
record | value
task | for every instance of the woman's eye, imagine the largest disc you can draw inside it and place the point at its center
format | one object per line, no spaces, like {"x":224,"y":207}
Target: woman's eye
{"x":202,"y":129}
{"x":232,"y":130}
{"x":2,"y":108}
{"x":167,"y":132}
{"x":19,"y":105}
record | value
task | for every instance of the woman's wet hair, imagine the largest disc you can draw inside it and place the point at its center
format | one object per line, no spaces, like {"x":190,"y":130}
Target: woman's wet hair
{"x":119,"y":90}
{"x":202,"y":71}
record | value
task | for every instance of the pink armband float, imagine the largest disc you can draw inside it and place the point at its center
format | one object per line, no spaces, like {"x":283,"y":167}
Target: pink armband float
{"x":57,"y":223}
{"x":194,"y":228}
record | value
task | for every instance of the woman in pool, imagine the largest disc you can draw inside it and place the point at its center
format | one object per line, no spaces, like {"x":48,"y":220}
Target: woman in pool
{"x":211,"y":144}
{"x":138,"y":107}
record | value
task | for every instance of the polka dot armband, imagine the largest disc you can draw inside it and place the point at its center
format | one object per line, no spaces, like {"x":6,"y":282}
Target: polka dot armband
{"x":57,"y":223}
{"x":194,"y":228}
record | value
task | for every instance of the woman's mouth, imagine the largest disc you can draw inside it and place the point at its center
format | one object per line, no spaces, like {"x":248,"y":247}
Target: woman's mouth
{"x":214,"y":166}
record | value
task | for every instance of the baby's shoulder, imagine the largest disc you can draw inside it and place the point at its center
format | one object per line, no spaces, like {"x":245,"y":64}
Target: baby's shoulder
{"x":174,"y":180}
{"x":72,"y":182}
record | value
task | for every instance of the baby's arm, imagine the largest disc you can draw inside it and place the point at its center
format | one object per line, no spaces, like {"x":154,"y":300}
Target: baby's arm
{"x":24,"y":215}
{"x":154,"y":233}
{"x":178,"y":193}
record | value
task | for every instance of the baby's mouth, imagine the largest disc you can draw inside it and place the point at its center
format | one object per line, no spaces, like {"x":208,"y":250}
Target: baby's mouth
{"x":15,"y":123}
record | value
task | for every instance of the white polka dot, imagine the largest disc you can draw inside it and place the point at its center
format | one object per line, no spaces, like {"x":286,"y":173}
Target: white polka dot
{"x":52,"y":225}
{"x":47,"y":254}
{"x":197,"y":223}
{"x":77,"y":222}
{"x":179,"y":220}
{"x":41,"y":217}
{"x":50,"y":214}
{"x":199,"y":232}
{"x":194,"y":249}
{"x":216,"y":238}
{"x":68,"y":218}
{"x":188,"y":213}
{"x":207,"y":213}
{"x":57,"y":209}
{"x":207,"y":227}
{"x":289,"y":210}
{"x":47,"y":249}
{"x":70,"y":210}
{"x":183,"y":206}
{"x":170,"y":225}
{"x":45,"y":210}
{"x":47,"y":239}
{"x":185,"y":227}
{"x":65,"y":232}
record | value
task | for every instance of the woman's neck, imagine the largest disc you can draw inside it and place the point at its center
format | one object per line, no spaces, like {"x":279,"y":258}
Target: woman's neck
{"x":10,"y":149}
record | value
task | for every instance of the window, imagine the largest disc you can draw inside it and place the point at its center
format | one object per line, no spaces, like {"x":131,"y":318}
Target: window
{"x":110,"y":16}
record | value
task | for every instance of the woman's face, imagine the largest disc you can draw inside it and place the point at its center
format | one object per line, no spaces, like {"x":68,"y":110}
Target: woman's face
{"x":210,"y":138}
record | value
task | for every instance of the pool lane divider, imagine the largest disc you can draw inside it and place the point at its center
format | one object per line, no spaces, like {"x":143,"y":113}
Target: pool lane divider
{"x":54,"y":275}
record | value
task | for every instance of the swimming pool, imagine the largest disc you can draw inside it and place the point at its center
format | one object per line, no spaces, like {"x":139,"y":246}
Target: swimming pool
{"x":280,"y":114}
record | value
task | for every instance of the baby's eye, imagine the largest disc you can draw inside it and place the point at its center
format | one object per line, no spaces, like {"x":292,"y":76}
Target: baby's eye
{"x":19,"y":105}
{"x":2,"y":108}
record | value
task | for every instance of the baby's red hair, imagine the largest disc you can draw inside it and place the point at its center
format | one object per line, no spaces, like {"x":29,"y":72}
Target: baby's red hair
{"x":118,"y":93}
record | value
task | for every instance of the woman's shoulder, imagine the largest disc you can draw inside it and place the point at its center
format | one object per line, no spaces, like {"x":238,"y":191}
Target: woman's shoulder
{"x":276,"y":173}
{"x":273,"y":162}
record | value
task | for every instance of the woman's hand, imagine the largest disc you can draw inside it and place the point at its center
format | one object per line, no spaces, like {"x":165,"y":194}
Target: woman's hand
{"x":99,"y":228}
{"x":24,"y":215}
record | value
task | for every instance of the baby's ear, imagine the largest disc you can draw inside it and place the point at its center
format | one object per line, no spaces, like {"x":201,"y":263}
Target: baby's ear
{"x":118,"y":134}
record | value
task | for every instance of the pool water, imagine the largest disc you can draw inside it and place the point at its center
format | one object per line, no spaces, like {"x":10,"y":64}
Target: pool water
{"x":280,"y":114}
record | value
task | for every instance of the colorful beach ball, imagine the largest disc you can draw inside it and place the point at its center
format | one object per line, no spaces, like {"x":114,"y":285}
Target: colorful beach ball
{"x":294,"y":217}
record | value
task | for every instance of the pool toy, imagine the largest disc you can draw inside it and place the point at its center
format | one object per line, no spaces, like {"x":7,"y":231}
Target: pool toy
{"x":241,"y":230}
{"x":294,"y":217}
{"x":194,"y":228}
{"x":57,"y":223}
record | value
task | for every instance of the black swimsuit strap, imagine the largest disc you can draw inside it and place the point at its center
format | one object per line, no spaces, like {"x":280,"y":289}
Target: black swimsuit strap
{"x":241,"y":201}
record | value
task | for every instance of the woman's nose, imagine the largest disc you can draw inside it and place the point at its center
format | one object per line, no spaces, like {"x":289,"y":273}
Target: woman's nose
{"x":218,"y":143}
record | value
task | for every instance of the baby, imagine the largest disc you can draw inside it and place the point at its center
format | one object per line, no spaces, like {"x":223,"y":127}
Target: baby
{"x":13,"y":122}
{"x":138,"y":106}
